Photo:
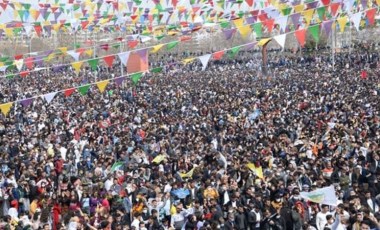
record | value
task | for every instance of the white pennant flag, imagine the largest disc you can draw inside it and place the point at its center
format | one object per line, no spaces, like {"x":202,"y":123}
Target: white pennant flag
{"x":19,"y":63}
{"x":3,"y":68}
{"x":74,"y":54}
{"x":356,"y":18}
{"x":124,"y":57}
{"x":204,"y":59}
{"x":49,"y":97}
{"x":280,"y":39}
{"x":282,"y":21}
{"x":28,"y":29}
{"x":145,"y":38}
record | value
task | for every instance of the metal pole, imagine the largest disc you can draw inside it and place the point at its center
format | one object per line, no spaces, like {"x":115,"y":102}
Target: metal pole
{"x":121,"y":48}
{"x":333,"y":48}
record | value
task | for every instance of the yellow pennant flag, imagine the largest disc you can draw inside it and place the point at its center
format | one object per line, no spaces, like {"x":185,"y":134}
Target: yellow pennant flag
{"x":299,"y":8}
{"x":308,"y":15}
{"x":156,"y":48}
{"x":2,"y":26}
{"x":50,"y":57}
{"x":63,"y":50}
{"x":264,"y":41}
{"x":257,"y":170}
{"x":102,"y":85}
{"x":5,"y":108}
{"x":238,"y":22}
{"x":172,"y":33}
{"x":158,"y":159}
{"x":245,"y":31}
{"x":56,"y":27}
{"x":76,"y":66}
{"x":187,"y":60}
{"x":89,"y":52}
{"x":8,"y":32}
{"x":342,"y":21}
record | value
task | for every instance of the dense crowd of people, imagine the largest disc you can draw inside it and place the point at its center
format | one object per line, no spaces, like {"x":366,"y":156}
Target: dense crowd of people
{"x":184,"y":138}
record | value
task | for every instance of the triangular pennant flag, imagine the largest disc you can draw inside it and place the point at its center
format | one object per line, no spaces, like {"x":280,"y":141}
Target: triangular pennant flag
{"x":326,"y":25}
{"x":282,"y":22}
{"x":171,"y":45}
{"x":89,"y":52}
{"x":280,"y":39}
{"x":76,"y":66}
{"x":19,"y":63}
{"x":84,"y":89}
{"x":143,"y":54}
{"x":49,"y":97}
{"x":124,"y":57}
{"x":228,"y":33}
{"x":93,"y":64}
{"x":5,"y":108}
{"x":73,"y":54}
{"x":233,"y":51}
{"x":132,"y":44}
{"x":321,"y":12}
{"x":102,"y":85}
{"x":334,"y":8}
{"x":204,"y":60}
{"x":218,"y":55}
{"x":24,"y":73}
{"x":119,"y":80}
{"x":342,"y":21}
{"x":245,"y":31}
{"x":308,"y":16}
{"x":29,"y":61}
{"x":269,"y":24}
{"x":156,"y":70}
{"x":156,"y":48}
{"x":264,"y":41}
{"x":68,"y":92}
{"x":136,"y":77}
{"x":257,"y":27}
{"x":187,"y":60}
{"x":371,"y":16}
{"x":314,"y":30}
{"x":356,"y":18}
{"x":109,"y":60}
{"x":26,"y":102}
{"x":301,"y":36}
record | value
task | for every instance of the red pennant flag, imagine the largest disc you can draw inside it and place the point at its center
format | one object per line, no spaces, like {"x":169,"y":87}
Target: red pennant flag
{"x":68,"y":92}
{"x":184,"y":24}
{"x":218,"y":55}
{"x":269,"y":24}
{"x":109,"y":60}
{"x":364,"y":74}
{"x":133,"y":17}
{"x":80,"y":50}
{"x":185,"y":38}
{"x":38,"y":30}
{"x":301,"y":36}
{"x":18,"y":56}
{"x":263,"y":17}
{"x":334,"y":8}
{"x":119,"y":39}
{"x":249,"y":2}
{"x":24,"y":73}
{"x":326,"y":2}
{"x":29,"y":62}
{"x":132,"y":44}
{"x":115,"y":5}
{"x":104,"y":47}
{"x":174,"y":3}
{"x":4,"y":5}
{"x":54,"y":8}
{"x":84,"y":24}
{"x":371,"y":16}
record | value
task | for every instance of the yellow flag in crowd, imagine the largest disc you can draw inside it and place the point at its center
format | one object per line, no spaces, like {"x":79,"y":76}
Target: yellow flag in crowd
{"x":257,"y":170}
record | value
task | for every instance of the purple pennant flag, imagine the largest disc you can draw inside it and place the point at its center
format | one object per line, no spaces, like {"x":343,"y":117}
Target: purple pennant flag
{"x":26,"y":102}
{"x":249,"y":46}
{"x":119,"y":80}
{"x":296,"y":3}
{"x":229,"y":33}
{"x":43,"y":12}
{"x":57,"y":14}
{"x":364,"y":4}
{"x":312,"y":5}
{"x":295,"y":19}
{"x":130,"y":4}
{"x":185,"y":32}
{"x":39,"y":61}
{"x":48,"y":52}
{"x":250,"y":20}
{"x":169,"y":10}
{"x":143,"y":53}
{"x":48,"y":29}
{"x":326,"y":25}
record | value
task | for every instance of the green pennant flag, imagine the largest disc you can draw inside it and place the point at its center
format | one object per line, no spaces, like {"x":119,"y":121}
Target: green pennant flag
{"x":11,"y":67}
{"x":8,"y":62}
{"x":159,"y":7}
{"x":171,"y":45}
{"x":233,"y":51}
{"x":136,"y":77}
{"x":257,"y":27}
{"x":110,"y":92}
{"x":116,"y":46}
{"x":321,"y":12}
{"x":241,"y":14}
{"x":10,"y":76}
{"x":3,"y":59}
{"x":26,"y":6}
{"x":286,"y":11}
{"x":314,"y":30}
{"x":17,"y":30}
{"x":84,"y":89}
{"x":224,"y":24}
{"x":160,"y":37}
{"x":192,"y":2}
{"x":46,"y":16}
{"x":93,"y":63}
{"x":76,"y":7}
{"x":117,"y":166}
{"x":156,"y":70}
{"x":21,"y":14}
